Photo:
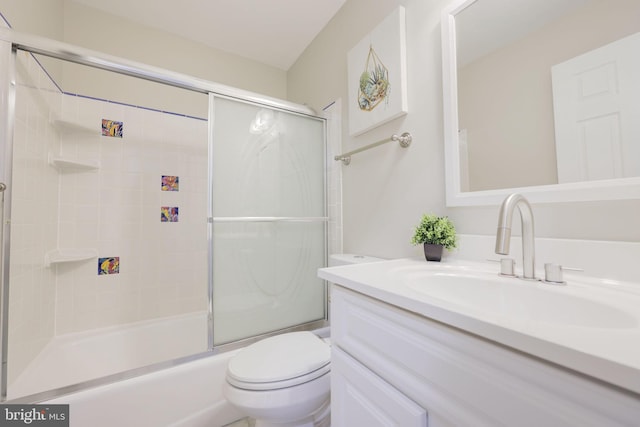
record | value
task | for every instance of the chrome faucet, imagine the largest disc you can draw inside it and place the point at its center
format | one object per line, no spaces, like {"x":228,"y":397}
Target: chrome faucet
{"x":503,"y":236}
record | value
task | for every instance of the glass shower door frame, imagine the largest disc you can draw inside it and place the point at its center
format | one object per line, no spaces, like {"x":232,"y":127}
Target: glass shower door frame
{"x":212,"y":220}
{"x":7,"y":119}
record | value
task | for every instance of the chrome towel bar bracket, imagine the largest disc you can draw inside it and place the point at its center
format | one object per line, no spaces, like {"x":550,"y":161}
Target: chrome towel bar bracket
{"x":404,"y":140}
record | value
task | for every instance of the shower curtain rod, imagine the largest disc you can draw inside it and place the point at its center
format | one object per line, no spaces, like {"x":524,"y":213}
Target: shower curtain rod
{"x":404,"y":140}
{"x":60,"y":50}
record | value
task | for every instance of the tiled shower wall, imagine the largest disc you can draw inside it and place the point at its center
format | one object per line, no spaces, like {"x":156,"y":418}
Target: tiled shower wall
{"x":112,"y":210}
{"x":115,"y":210}
{"x":34,"y":219}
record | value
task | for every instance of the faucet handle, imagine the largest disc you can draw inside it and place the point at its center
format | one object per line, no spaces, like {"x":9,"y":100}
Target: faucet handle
{"x":553,"y":273}
{"x":507,"y":266}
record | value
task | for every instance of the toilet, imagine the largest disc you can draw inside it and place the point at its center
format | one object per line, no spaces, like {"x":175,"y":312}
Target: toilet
{"x":284,"y":380}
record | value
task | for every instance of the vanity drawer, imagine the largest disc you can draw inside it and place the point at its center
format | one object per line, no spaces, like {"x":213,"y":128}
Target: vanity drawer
{"x":465,"y":379}
{"x":359,"y":397}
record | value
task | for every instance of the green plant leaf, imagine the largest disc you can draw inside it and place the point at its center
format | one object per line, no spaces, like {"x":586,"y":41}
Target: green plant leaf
{"x":436,"y":230}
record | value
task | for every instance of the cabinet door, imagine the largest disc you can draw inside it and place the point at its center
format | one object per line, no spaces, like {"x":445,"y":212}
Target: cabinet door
{"x":361,"y":398}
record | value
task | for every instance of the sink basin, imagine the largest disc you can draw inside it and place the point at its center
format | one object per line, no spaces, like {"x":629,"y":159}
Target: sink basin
{"x":518,"y":299}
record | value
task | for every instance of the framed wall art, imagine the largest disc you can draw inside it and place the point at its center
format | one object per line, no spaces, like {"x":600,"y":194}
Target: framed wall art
{"x":377,"y":74}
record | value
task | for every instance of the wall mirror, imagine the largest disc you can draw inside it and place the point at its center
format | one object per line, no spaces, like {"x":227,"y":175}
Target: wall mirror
{"x":541,"y":98}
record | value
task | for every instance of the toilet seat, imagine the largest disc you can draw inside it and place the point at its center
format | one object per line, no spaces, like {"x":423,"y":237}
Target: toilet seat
{"x":279,"y":362}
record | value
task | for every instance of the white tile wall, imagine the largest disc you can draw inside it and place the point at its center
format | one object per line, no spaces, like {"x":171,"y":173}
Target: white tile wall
{"x":116,"y":210}
{"x":34,"y":195}
{"x":113,"y":210}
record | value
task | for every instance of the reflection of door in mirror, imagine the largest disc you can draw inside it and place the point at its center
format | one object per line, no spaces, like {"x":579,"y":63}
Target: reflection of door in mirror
{"x":505,"y":101}
{"x":597,"y":119}
{"x":463,"y":152}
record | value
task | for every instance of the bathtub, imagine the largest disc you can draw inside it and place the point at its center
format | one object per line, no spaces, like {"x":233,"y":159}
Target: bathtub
{"x":79,"y":357}
{"x":186,"y":395}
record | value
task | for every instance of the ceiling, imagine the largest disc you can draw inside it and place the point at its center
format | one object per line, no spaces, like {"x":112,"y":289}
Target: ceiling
{"x":273,"y":32}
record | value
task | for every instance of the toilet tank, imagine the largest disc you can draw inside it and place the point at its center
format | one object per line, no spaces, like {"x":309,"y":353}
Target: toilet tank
{"x":346,"y":259}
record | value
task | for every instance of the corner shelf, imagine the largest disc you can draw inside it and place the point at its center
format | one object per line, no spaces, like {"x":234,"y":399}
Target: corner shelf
{"x":65,"y":164}
{"x":70,"y":127}
{"x":58,"y":256}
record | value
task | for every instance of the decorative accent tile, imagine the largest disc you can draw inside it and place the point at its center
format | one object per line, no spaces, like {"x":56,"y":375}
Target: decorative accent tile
{"x":170,"y":183}
{"x":169,"y":214}
{"x":112,"y":128}
{"x":108,"y":265}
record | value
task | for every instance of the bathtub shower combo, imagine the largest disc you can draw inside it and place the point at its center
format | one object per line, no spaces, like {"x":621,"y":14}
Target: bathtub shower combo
{"x":138,"y":235}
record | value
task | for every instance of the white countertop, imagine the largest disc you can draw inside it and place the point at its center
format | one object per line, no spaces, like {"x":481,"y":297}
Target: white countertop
{"x":610,"y":353}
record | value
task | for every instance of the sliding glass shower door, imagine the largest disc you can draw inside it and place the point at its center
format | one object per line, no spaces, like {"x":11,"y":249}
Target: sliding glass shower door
{"x":269,"y":219}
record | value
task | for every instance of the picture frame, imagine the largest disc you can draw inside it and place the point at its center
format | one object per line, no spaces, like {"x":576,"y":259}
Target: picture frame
{"x":377,"y":75}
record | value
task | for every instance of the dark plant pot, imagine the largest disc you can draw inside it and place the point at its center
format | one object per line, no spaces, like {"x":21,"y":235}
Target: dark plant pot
{"x":433,"y":252}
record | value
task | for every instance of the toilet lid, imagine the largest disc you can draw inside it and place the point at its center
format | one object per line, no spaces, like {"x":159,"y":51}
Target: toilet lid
{"x":281,"y":358}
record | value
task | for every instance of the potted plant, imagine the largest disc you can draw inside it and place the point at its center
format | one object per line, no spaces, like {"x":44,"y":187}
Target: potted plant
{"x":435,"y":232}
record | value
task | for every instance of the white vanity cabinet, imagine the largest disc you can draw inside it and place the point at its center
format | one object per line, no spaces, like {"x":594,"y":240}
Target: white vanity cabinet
{"x":392,"y":367}
{"x":361,"y":398}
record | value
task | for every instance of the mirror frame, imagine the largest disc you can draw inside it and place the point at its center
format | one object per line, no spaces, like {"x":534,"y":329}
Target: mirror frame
{"x":609,"y":189}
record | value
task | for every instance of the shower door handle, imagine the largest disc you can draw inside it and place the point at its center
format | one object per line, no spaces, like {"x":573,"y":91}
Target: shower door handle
{"x":3,"y":187}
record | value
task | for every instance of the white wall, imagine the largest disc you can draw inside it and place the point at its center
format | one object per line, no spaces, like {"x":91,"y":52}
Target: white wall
{"x":87,"y":27}
{"x":35,"y":16}
{"x":84,"y":26}
{"x":386,"y":189}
